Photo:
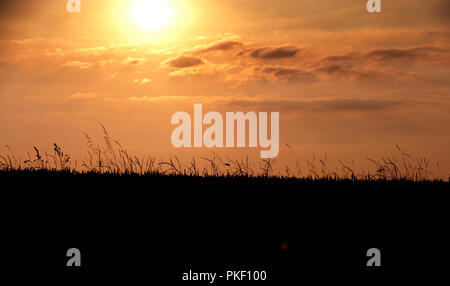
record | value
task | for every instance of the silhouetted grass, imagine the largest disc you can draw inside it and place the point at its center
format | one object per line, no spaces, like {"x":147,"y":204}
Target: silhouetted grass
{"x":110,"y":158}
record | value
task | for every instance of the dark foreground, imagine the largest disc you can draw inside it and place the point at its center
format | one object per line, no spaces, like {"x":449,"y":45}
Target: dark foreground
{"x":152,"y":229}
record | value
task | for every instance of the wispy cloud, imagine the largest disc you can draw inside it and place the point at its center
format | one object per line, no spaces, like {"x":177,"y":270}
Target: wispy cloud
{"x":83,"y":95}
{"x":222,"y":45}
{"x":78,"y":64}
{"x":134,"y":61}
{"x":274,"y":53}
{"x":321,"y":105}
{"x":184,"y":61}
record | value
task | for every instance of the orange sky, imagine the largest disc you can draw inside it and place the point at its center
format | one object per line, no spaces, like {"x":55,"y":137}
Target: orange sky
{"x":346,"y":83}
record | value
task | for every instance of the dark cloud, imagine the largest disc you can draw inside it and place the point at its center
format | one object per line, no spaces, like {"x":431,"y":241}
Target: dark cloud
{"x":336,"y":69}
{"x":322,"y":105}
{"x":274,"y":53}
{"x":399,"y":54}
{"x":383,"y":54}
{"x":259,"y":52}
{"x":184,"y":61}
{"x":341,"y":58}
{"x":288,"y":73}
{"x":226,"y":45}
{"x":368,"y":65}
{"x":134,"y":61}
{"x":348,"y":71}
{"x":356,"y":104}
{"x":281,"y":73}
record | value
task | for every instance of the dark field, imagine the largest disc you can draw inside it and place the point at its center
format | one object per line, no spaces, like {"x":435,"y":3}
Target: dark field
{"x":155,"y":227}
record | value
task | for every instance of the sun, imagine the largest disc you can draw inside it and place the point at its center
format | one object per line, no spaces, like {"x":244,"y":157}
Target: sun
{"x":152,"y":14}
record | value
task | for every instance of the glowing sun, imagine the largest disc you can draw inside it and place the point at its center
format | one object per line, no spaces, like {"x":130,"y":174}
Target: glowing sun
{"x":152,"y":14}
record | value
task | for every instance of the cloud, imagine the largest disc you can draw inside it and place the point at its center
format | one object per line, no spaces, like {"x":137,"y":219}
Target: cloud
{"x":347,"y":70}
{"x":400,"y":54}
{"x":233,"y":45}
{"x":357,"y":64}
{"x":169,"y":98}
{"x":184,"y":61}
{"x":78,"y":64}
{"x":354,"y":104}
{"x":83,"y":95}
{"x":267,"y":73}
{"x":275,"y":53}
{"x":371,"y":64}
{"x":143,"y":81}
{"x":336,"y":69}
{"x":197,"y":71}
{"x":93,"y":51}
{"x":389,"y":54}
{"x":285,"y":73}
{"x":134,"y":61}
{"x":223,"y":45}
{"x":341,"y":58}
{"x":321,"y":105}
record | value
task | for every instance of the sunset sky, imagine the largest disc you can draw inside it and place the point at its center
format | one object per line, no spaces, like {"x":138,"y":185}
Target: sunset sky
{"x":347,"y":83}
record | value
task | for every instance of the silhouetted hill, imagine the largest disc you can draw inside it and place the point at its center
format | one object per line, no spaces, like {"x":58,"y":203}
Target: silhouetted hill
{"x":155,"y":226}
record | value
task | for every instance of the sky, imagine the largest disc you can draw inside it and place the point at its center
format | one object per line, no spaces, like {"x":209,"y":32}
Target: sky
{"x":347,"y":84}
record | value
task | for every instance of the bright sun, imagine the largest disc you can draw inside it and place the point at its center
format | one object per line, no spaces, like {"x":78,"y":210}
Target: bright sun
{"x":152,"y":14}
